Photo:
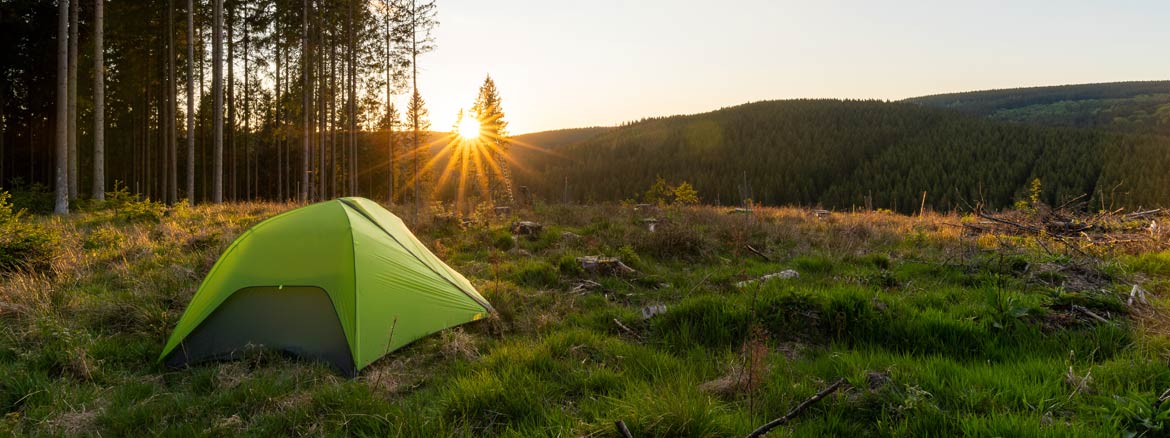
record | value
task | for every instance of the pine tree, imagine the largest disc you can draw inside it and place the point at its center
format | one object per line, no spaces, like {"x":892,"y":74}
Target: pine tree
{"x":489,"y":112}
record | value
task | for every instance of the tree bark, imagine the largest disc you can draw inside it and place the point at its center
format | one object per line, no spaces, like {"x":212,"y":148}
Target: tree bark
{"x":99,"y":103}
{"x":217,"y":90}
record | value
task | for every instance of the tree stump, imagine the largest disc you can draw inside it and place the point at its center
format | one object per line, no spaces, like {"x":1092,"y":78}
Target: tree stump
{"x":527,"y":228}
{"x":604,"y":265}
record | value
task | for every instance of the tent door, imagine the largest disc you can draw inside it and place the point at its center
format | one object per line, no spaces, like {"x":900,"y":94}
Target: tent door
{"x":299,"y":319}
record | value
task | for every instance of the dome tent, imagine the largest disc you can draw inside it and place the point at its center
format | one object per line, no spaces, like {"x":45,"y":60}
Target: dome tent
{"x":342,"y":281}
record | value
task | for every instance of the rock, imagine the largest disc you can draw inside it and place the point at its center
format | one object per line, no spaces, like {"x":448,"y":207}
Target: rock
{"x":503,"y":211}
{"x":653,"y":310}
{"x":569,"y":235}
{"x":783,"y":275}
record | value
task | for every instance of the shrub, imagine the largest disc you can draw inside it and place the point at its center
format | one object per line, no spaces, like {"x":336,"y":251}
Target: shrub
{"x":34,"y":198}
{"x":23,"y":245}
{"x":128,"y":208}
{"x":502,"y":240}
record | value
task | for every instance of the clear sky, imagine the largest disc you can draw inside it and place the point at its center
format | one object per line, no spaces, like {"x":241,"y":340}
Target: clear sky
{"x":563,"y":64}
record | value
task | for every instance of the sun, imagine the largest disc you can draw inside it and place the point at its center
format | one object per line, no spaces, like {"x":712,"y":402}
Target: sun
{"x":469,"y":128}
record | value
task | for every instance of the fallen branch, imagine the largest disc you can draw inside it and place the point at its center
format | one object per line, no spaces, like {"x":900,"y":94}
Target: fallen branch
{"x":628,"y":330}
{"x":1090,"y":313}
{"x":797,"y":410}
{"x":757,"y":252}
{"x":1142,"y":214}
{"x":1007,"y":222}
{"x":622,"y":429}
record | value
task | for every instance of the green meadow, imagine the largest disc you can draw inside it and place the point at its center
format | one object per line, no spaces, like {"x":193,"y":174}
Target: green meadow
{"x":936,"y":332}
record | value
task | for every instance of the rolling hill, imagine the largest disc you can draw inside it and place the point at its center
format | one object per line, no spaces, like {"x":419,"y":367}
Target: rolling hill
{"x":834,"y":153}
{"x":1142,"y":107}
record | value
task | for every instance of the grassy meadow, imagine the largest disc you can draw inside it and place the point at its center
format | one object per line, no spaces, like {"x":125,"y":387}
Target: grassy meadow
{"x":936,"y":333}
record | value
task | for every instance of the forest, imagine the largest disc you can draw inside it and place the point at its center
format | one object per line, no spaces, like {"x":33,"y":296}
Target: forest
{"x":1141,"y":107}
{"x":297,"y":101}
{"x":213,"y":101}
{"x":836,"y":154}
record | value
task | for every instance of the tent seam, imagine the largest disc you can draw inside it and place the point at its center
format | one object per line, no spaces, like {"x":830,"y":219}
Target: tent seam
{"x":357,"y":333}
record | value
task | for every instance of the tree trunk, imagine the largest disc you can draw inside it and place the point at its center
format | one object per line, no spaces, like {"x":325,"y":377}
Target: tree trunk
{"x":172,"y":193}
{"x":352,"y":126}
{"x":305,"y":90}
{"x":191,"y":105}
{"x":278,"y":53}
{"x":74,"y":11}
{"x":414,"y":85}
{"x":217,"y":90}
{"x":389,"y":107}
{"x":99,"y":104}
{"x":231,"y":101}
{"x":61,"y":205}
{"x":247,"y":111}
{"x":333,"y":131}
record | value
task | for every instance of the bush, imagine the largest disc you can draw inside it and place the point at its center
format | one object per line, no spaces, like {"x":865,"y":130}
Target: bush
{"x":128,"y":208}
{"x":34,"y":198}
{"x":23,"y":245}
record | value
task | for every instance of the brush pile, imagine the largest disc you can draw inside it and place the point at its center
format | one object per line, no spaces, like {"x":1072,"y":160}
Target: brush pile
{"x":1069,"y":224}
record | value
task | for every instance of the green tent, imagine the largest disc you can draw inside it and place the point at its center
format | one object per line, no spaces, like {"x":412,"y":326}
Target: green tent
{"x":342,"y":281}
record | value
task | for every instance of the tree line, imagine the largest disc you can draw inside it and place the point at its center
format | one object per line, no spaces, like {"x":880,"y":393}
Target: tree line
{"x":216,"y":100}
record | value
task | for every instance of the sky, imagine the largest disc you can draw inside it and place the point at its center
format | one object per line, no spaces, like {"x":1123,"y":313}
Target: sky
{"x":565,"y":64}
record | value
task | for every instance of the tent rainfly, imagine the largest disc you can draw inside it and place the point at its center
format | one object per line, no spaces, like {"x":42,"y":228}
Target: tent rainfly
{"x":342,"y":281}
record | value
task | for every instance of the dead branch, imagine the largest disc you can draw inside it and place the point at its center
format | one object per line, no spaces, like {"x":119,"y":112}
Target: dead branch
{"x":628,"y":330}
{"x":757,"y":252}
{"x":1089,"y":313}
{"x":622,"y":429}
{"x":797,"y":410}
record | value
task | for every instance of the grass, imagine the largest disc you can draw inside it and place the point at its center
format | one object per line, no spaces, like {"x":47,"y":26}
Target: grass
{"x":936,"y":333}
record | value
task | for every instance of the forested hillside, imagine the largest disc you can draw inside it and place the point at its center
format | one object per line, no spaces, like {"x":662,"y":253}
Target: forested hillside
{"x":835,"y":153}
{"x":1120,"y":106}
